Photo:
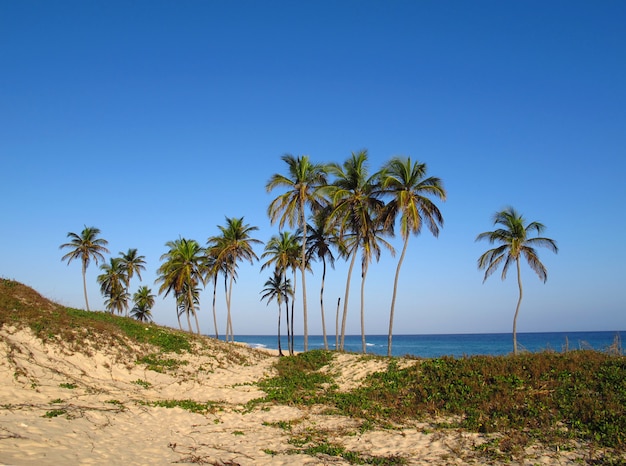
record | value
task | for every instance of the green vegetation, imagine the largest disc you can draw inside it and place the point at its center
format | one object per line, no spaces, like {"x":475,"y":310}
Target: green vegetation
{"x":546,"y":397}
{"x":22,"y":305}
{"x":159,"y":364}
{"x":69,"y":386}
{"x":142,"y":383}
{"x":188,"y":405}
{"x":55,"y":413}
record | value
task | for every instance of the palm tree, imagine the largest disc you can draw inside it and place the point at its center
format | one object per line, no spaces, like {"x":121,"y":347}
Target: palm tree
{"x":117,"y":300}
{"x":181,"y":271}
{"x":133,"y":264}
{"x":282,"y":251}
{"x":233,"y":246}
{"x":303,"y":184}
{"x":355,"y":197}
{"x":85,"y":247}
{"x":513,"y":238}
{"x":277,"y":287}
{"x":112,"y":284}
{"x":321,"y":238}
{"x":143,"y":301}
{"x":411,"y":191}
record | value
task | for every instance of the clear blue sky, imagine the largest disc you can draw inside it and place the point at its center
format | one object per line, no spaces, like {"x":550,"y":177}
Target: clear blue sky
{"x":156,"y":119}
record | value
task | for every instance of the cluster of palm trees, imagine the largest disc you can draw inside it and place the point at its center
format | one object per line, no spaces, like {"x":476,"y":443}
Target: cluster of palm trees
{"x":350,"y":211}
{"x":116,"y":274}
{"x":334,"y":211}
{"x":187,"y":265}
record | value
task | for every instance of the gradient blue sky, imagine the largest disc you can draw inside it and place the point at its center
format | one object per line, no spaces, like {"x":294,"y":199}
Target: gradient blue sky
{"x":156,"y":119}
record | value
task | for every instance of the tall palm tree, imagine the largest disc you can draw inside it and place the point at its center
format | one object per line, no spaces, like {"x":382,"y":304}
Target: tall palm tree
{"x":277,"y":287}
{"x":303,"y":183}
{"x":355,"y":196}
{"x":282,"y":251}
{"x":133,"y":263}
{"x":112,"y":284}
{"x":143,"y":301}
{"x":411,"y":193}
{"x":321,"y":238}
{"x":514,"y":242}
{"x":232,"y":246}
{"x":85,"y":246}
{"x":181,"y":272}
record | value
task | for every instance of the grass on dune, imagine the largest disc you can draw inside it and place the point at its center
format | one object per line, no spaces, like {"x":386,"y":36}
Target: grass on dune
{"x":548,"y":397}
{"x":20,"y":304}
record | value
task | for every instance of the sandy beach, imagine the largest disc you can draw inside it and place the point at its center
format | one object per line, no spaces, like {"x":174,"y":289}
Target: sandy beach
{"x":97,"y":406}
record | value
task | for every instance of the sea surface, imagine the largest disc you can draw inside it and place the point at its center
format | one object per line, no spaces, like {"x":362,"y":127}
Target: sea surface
{"x":433,"y":346}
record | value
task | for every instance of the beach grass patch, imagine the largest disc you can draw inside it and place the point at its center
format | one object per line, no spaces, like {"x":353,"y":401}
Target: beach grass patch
{"x":69,"y":386}
{"x":55,"y":413}
{"x":155,"y":362}
{"x":142,"y":383}
{"x":299,"y":380}
{"x":188,"y":405}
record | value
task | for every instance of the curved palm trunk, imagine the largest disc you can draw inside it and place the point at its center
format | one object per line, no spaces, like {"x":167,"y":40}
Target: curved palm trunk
{"x":345,"y":302}
{"x":227,"y":304}
{"x":303,"y":272}
{"x":214,"y":311}
{"x":363,"y":275}
{"x":322,"y":303}
{"x":230,"y":322}
{"x":519,"y":302}
{"x":393,"y":298}
{"x":85,"y":285}
{"x":180,"y":326}
{"x":195,"y":315}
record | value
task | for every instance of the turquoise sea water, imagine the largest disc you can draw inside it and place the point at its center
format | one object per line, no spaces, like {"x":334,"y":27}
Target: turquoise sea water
{"x":431,"y":346}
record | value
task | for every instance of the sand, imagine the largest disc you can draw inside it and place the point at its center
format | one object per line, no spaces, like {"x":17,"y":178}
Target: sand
{"x":96,"y":406}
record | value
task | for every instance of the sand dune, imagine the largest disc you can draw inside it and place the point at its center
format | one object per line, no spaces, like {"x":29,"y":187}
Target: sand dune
{"x":95,"y":406}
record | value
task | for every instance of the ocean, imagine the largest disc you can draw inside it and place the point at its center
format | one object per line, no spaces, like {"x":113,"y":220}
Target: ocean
{"x":459,"y":345}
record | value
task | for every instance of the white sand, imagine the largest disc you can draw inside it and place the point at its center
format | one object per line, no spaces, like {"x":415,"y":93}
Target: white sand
{"x":105,"y":419}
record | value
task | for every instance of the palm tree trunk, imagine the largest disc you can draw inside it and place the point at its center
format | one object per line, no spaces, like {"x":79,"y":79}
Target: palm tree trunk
{"x":85,"y":285}
{"x":230,"y":294}
{"x":303,"y":272}
{"x":280,"y":349}
{"x":289,"y":347}
{"x":188,"y":318}
{"x":519,"y":302}
{"x":214,"y":311}
{"x":293,"y":340}
{"x":345,"y":302}
{"x":322,"y":303}
{"x":363,"y":275}
{"x":180,"y":326}
{"x":393,"y":298}
{"x":337,"y":325}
